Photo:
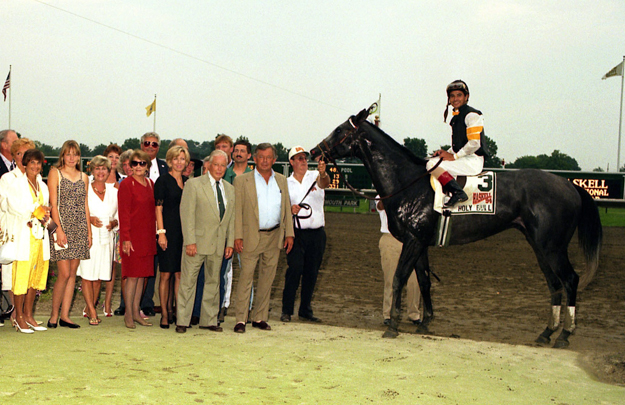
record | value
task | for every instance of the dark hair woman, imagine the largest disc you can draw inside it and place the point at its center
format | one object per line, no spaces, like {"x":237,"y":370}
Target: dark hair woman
{"x":137,"y":222}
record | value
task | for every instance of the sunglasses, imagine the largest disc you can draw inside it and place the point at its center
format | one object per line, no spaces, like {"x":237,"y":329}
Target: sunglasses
{"x":138,"y":163}
{"x":147,"y":144}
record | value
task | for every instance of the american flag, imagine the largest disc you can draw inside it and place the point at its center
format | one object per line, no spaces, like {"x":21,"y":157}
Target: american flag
{"x":7,"y":85}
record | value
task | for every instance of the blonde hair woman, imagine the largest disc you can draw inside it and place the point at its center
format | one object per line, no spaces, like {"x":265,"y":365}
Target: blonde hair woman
{"x":112,"y":153}
{"x":102,"y":198}
{"x":68,"y":200}
{"x":167,"y":193}
{"x":18,"y":148}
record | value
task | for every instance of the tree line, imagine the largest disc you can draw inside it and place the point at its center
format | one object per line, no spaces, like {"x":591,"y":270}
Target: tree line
{"x":555,"y":161}
{"x":197,"y":149}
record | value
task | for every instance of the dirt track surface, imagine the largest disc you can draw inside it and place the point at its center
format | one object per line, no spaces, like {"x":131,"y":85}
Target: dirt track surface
{"x":490,"y":291}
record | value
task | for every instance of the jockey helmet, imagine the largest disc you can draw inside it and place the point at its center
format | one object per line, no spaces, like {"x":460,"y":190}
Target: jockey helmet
{"x":457,"y":85}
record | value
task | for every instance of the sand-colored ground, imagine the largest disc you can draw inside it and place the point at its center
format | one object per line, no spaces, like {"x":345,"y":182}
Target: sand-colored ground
{"x":491,"y":304}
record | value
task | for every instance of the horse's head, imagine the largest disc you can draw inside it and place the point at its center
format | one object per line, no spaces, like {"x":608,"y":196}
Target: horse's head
{"x":339,"y":143}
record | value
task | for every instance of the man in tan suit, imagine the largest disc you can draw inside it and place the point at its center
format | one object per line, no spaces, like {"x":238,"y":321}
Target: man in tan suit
{"x":207,"y":216}
{"x":263,"y":226}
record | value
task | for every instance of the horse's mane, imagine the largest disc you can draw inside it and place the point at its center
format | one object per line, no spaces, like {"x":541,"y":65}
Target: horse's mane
{"x":405,"y":151}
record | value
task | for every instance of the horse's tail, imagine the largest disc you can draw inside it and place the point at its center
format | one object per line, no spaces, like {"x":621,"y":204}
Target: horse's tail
{"x":589,"y":233}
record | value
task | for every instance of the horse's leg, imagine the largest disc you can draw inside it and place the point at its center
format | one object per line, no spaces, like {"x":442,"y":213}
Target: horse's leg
{"x":565,"y":272}
{"x":423,"y":277}
{"x":409,"y":255}
{"x":555,"y":288}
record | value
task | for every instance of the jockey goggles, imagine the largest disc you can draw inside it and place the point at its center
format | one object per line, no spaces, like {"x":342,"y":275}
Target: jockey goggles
{"x":457,"y":85}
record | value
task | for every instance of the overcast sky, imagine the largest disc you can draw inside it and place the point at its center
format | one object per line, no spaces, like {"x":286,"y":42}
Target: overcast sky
{"x":291,"y":71}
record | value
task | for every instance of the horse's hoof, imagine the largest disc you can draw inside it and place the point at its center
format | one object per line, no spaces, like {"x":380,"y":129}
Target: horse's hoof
{"x":561,"y":344}
{"x":563,"y":340}
{"x":542,"y":340}
{"x":390,"y":334}
{"x":545,"y":337}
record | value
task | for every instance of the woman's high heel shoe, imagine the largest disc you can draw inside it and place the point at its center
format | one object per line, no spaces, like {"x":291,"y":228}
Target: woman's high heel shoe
{"x":25,"y":330}
{"x":36,"y":327}
{"x":171,"y":317}
{"x":142,"y":322}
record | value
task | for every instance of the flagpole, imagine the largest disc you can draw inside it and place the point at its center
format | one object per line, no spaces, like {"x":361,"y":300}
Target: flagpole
{"x":620,"y":120}
{"x":10,"y":98}
{"x":154,"y":126}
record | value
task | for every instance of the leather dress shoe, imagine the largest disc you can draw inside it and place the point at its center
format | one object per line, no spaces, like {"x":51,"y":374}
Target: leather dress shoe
{"x":119,"y":311}
{"x":213,"y":328}
{"x":181,"y":329}
{"x":285,"y":318}
{"x":262,"y":325}
{"x":239,"y":328}
{"x":309,"y":318}
{"x":148,"y":311}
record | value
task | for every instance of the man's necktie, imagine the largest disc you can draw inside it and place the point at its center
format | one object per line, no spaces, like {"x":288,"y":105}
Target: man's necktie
{"x":220,"y":201}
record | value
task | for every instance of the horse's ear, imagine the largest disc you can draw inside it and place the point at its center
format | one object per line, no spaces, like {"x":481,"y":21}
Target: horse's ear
{"x":361,"y":116}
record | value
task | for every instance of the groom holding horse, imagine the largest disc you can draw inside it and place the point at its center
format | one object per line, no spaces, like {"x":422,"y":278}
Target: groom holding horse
{"x":468,"y":148}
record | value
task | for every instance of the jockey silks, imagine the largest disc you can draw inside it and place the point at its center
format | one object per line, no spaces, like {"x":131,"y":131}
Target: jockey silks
{"x":460,"y":136}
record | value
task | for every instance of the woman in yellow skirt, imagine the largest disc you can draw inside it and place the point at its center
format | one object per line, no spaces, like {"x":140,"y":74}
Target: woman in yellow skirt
{"x":28,"y":206}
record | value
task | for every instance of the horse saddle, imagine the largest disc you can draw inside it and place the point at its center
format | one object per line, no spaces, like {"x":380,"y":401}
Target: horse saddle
{"x":481,"y":190}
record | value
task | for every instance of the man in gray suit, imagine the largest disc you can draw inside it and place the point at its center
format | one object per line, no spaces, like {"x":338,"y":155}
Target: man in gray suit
{"x":207,"y":216}
{"x":263,"y":226}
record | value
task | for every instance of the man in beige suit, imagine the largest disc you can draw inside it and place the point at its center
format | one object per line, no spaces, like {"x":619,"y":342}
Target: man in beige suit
{"x":263,"y":226}
{"x":207,"y":216}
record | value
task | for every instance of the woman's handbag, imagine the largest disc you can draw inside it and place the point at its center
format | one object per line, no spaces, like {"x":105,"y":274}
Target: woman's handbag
{"x":8,"y":250}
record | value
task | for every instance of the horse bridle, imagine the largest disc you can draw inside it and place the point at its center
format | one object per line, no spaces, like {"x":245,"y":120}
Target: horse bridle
{"x":349,"y":134}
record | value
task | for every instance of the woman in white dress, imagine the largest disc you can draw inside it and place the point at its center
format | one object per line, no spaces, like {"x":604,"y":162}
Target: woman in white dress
{"x":18,"y":148}
{"x":102,"y":200}
{"x":112,"y":152}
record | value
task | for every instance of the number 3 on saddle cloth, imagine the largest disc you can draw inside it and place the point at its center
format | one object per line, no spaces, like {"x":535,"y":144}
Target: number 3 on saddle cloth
{"x":481,"y":190}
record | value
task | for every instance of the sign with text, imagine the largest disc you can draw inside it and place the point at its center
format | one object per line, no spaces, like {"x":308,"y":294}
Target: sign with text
{"x":601,"y":188}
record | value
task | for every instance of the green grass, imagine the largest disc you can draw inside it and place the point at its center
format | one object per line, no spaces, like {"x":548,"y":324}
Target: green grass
{"x":612,"y":216}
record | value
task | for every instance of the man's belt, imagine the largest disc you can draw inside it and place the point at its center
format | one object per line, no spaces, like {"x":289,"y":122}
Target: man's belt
{"x":269,"y":229}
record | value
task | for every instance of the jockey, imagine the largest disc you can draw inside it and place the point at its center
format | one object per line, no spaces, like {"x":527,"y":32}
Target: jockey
{"x":468,"y":149}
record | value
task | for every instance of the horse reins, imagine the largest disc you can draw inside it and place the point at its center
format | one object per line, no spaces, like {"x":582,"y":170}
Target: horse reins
{"x":305,"y":206}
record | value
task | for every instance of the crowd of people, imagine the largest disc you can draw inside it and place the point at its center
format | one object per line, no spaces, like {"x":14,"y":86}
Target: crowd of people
{"x":152,"y":217}
{"x":149,"y":216}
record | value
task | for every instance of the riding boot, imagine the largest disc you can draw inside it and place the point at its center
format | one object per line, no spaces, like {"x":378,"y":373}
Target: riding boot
{"x":456,"y":192}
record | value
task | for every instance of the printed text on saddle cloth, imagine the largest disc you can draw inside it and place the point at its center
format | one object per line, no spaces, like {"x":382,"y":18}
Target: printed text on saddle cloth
{"x":481,"y":191}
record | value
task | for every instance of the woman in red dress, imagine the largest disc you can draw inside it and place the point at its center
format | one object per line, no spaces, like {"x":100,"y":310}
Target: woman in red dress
{"x":137,"y":227}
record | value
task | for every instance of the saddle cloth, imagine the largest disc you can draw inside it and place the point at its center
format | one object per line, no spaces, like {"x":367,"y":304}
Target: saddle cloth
{"x":481,"y":190}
